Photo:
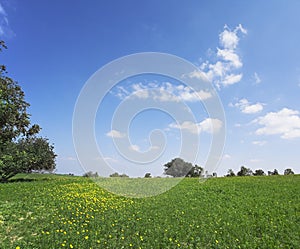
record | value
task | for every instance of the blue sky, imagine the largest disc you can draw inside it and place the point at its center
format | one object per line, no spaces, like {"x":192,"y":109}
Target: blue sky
{"x":249,"y":50}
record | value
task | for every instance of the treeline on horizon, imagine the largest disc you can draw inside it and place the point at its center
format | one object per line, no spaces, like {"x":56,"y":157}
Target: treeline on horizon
{"x":179,"y":168}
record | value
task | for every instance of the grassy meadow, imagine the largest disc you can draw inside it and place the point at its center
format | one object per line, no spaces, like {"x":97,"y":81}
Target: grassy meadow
{"x":47,"y":211}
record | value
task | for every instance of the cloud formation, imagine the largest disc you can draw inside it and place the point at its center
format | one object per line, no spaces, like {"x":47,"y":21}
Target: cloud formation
{"x":165,"y":92}
{"x":208,"y":125}
{"x":257,"y":79}
{"x":115,"y":134}
{"x":223,"y":71}
{"x":285,"y":123}
{"x":246,"y":107}
{"x":259,"y":143}
{"x":5,"y":29}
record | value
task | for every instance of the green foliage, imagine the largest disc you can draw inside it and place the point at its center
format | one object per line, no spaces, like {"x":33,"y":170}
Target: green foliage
{"x":259,"y":172}
{"x":20,"y":150}
{"x":148,"y":175}
{"x":288,"y":172}
{"x":245,"y":171}
{"x":230,"y":173}
{"x":179,"y":168}
{"x":73,"y":212}
{"x":90,"y":174}
{"x":274,"y":173}
{"x":118,"y":175}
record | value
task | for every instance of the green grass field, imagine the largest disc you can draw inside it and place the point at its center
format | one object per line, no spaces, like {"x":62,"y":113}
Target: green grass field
{"x":74,"y":212}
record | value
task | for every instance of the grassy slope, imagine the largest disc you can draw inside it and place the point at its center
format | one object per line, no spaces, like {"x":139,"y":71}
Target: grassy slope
{"x":65,"y":212}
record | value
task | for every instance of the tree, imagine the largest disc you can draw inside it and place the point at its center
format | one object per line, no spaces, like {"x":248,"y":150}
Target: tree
{"x":230,"y":173}
{"x":195,"y":171}
{"x":116,"y":174}
{"x":274,"y":173}
{"x":288,"y":172}
{"x":40,"y":154}
{"x":19,"y":150}
{"x":148,"y":175}
{"x":244,"y":171}
{"x":177,"y":168}
{"x":90,"y":174}
{"x":259,"y":172}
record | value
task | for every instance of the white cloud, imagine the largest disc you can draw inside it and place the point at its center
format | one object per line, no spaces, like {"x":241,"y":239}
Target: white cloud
{"x":208,"y":125}
{"x":256,"y":78}
{"x":2,"y":11}
{"x":285,"y":123}
{"x":110,"y":159}
{"x":198,"y":75}
{"x":134,"y":147}
{"x":226,"y":156}
{"x":230,"y":56}
{"x":165,"y":92}
{"x":232,"y":79}
{"x":259,"y":143}
{"x":5,"y":29}
{"x":115,"y":134}
{"x":222,"y":72}
{"x":246,"y":107}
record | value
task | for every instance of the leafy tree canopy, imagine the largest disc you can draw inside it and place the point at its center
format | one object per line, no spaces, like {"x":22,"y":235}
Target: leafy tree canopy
{"x":20,"y":149}
{"x":179,"y":168}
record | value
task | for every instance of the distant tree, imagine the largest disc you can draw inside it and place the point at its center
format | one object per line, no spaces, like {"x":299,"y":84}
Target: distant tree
{"x":214,"y":174}
{"x":124,"y":175}
{"x":245,"y":171}
{"x":195,"y":171}
{"x":177,"y":168}
{"x":148,"y":175}
{"x":230,"y":173}
{"x":114,"y":175}
{"x":90,"y":174}
{"x":259,"y":172}
{"x":288,"y":172}
{"x":20,"y":149}
{"x":274,"y":173}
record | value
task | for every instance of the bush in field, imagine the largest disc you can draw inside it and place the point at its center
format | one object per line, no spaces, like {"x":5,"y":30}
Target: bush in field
{"x":288,"y":172}
{"x":116,"y":174}
{"x":90,"y":174}
{"x":230,"y":173}
{"x":245,"y":171}
{"x":274,"y":173}
{"x":148,"y":175}
{"x":259,"y":172}
{"x":20,"y":149}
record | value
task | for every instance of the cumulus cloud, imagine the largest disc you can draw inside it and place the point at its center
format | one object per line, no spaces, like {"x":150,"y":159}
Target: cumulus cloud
{"x":231,"y":79}
{"x":165,"y":92}
{"x":115,"y":134}
{"x":259,"y":143}
{"x":285,"y":123}
{"x":134,"y":147}
{"x":246,"y":107}
{"x":224,"y":71}
{"x":208,"y":125}
{"x":198,"y":75}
